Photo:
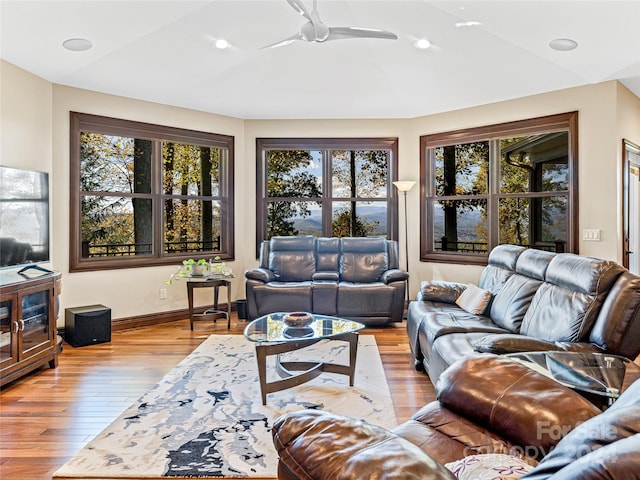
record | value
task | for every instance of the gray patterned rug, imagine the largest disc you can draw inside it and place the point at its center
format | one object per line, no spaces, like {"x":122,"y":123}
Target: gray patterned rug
{"x":205,"y":418}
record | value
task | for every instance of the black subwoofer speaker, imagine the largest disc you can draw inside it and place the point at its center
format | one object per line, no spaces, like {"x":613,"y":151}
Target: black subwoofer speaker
{"x":87,"y":325}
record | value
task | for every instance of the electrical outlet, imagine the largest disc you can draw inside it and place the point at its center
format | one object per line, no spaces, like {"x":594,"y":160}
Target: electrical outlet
{"x":591,"y":234}
{"x":163,"y":294}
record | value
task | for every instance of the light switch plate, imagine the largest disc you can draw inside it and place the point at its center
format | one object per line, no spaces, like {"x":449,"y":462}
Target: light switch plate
{"x":591,"y":234}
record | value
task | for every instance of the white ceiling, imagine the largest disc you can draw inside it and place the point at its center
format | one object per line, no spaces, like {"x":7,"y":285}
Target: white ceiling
{"x":162,"y":51}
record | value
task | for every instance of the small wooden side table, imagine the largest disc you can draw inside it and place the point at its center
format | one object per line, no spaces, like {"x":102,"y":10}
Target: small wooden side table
{"x":211,"y":313}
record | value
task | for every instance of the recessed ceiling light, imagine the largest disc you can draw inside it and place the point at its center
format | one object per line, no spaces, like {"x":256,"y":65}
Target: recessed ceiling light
{"x":467,"y":24}
{"x":422,"y":43}
{"x":77,"y":44}
{"x":221,"y":44}
{"x":563,"y":44}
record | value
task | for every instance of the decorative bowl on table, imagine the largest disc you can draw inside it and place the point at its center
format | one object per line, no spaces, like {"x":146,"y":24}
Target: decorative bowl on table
{"x":297,"y":319}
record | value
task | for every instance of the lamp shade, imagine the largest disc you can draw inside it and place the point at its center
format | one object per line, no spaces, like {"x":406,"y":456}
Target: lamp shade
{"x":404,"y":185}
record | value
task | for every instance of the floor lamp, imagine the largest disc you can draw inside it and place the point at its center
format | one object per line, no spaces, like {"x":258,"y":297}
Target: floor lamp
{"x":404,"y":187}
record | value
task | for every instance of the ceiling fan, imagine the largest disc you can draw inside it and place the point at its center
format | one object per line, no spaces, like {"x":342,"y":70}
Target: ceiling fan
{"x":316,"y":31}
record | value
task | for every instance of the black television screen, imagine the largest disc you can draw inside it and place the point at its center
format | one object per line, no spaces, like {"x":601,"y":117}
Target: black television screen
{"x":24,"y":217}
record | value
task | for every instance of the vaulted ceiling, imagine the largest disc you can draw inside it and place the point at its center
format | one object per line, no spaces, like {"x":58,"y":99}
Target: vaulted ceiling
{"x":162,"y":51}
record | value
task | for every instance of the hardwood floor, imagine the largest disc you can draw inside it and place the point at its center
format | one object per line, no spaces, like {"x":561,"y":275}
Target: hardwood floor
{"x":46,"y":417}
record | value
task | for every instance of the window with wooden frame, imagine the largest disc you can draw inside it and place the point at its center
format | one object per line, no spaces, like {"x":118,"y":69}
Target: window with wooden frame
{"x":509,"y":183}
{"x":144,"y":194}
{"x":326,"y":187}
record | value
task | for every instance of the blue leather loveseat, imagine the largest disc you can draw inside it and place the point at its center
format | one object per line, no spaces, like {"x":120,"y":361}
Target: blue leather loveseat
{"x":352,"y":278}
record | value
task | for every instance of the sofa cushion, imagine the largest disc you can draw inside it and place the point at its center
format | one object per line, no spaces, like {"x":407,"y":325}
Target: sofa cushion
{"x":270,"y":297}
{"x":489,"y":466}
{"x":512,"y":301}
{"x":474,"y":299}
{"x":580,"y":274}
{"x":436,"y":324}
{"x":505,"y":256}
{"x":502,"y":264}
{"x":517,"y":343}
{"x":374,"y":298}
{"x":292,"y":259}
{"x":566,"y":306}
{"x":446,"y":350}
{"x":363,"y":260}
{"x":450,"y":318}
{"x":328,"y":254}
{"x":534,"y":263}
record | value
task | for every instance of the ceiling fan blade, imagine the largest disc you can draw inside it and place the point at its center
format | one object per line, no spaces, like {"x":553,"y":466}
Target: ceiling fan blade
{"x":286,"y":41}
{"x":339,"y":33}
{"x":299,"y":7}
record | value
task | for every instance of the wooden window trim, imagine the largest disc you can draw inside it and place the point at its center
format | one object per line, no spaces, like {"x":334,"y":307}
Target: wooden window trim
{"x":547,"y":124}
{"x":156,"y":133}
{"x":373,"y":143}
{"x":628,"y":147}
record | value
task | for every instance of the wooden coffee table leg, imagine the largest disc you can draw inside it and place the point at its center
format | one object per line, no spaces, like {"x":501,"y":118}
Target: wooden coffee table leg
{"x":261,"y":356}
{"x":309,"y":370}
{"x":353,"y":351}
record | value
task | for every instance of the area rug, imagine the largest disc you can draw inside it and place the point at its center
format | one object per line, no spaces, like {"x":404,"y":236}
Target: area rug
{"x":205,"y":418}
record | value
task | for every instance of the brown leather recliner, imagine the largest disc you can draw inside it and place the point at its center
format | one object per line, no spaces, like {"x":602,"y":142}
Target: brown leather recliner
{"x":486,"y":404}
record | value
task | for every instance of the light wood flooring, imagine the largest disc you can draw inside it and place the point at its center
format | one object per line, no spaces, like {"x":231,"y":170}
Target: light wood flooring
{"x":46,"y":417}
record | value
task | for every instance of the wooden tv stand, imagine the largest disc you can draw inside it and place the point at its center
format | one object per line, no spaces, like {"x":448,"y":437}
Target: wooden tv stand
{"x":28,"y":326}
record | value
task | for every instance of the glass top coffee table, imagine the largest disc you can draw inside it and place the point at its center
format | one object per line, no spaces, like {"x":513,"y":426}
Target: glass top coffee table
{"x":599,"y":374}
{"x":273,"y":336}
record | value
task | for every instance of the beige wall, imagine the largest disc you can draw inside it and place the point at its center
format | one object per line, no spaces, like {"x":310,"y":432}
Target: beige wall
{"x":598,"y":163}
{"x":37,"y":124}
{"x":25,"y":119}
{"x":129,"y":292}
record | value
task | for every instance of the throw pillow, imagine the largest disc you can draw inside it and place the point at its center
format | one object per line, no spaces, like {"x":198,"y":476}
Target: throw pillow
{"x":491,"y":466}
{"x":474,"y":299}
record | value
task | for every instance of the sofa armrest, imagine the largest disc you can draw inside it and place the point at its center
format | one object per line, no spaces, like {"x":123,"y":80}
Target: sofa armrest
{"x":325,"y":446}
{"x":394,"y":275}
{"x":439,"y":291}
{"x":325,"y":276}
{"x":513,"y":343}
{"x":513,"y":401}
{"x":260,"y":274}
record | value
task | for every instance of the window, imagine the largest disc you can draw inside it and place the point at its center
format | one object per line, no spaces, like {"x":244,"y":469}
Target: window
{"x":145,"y":194}
{"x":509,"y":183}
{"x":326,"y":187}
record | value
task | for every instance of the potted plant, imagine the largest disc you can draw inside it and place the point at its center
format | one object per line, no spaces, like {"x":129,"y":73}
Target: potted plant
{"x":189,"y":267}
{"x":195,"y":267}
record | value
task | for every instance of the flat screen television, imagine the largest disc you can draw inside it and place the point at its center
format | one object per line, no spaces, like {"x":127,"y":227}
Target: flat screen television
{"x":24,"y":218}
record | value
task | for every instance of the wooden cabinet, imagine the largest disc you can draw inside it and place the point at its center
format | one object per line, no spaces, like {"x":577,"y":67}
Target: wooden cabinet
{"x":28,"y":330}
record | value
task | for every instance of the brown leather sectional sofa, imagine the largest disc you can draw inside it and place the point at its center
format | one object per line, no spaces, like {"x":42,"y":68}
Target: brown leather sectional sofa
{"x":354,"y":278}
{"x":539,"y":301}
{"x":486,"y":405}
